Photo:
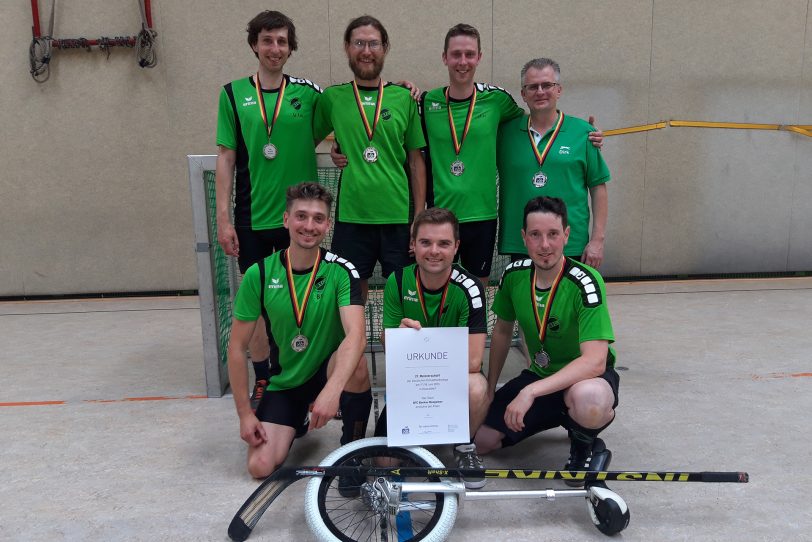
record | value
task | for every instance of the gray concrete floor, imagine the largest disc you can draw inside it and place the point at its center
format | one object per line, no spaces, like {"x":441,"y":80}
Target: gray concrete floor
{"x":718,"y":378}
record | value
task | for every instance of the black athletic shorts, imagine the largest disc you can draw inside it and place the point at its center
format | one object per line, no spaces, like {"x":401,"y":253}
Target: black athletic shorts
{"x":291,"y":407}
{"x":547,"y":411}
{"x":258,"y":244}
{"x":365,"y":244}
{"x":476,"y":246}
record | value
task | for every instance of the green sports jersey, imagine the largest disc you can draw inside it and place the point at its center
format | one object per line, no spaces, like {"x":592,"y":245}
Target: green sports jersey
{"x":472,"y":194}
{"x":261,"y":183}
{"x":578,"y":314}
{"x":371,"y":192}
{"x":336,"y":285}
{"x":572,"y":167}
{"x":464,"y":302}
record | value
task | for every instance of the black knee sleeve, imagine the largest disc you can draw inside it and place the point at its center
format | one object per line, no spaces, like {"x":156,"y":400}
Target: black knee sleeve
{"x":355,"y":408}
{"x":380,"y":425}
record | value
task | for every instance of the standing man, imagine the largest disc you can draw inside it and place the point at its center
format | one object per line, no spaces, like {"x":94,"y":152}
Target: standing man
{"x":318,"y":323}
{"x":547,"y":154}
{"x":560,"y":305}
{"x":377,"y":127}
{"x":461,"y":122}
{"x":265,"y":134}
{"x":436,"y":292}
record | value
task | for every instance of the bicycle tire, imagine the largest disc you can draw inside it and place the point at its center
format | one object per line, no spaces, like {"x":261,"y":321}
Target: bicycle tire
{"x":334,"y":518}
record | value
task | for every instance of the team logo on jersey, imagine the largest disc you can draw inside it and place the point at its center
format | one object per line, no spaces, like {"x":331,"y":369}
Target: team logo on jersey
{"x":563,"y":150}
{"x":249,"y":100}
{"x":275,"y":284}
{"x":386,"y":114}
{"x":412,"y":296}
{"x":296,"y":103}
{"x":319,"y":284}
{"x":553,"y":324}
{"x":435,"y":106}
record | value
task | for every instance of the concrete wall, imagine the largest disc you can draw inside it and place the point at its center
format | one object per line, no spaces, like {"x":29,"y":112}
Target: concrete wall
{"x":94,"y":195}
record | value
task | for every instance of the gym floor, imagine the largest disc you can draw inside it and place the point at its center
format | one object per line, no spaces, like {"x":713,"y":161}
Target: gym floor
{"x":107,"y":433}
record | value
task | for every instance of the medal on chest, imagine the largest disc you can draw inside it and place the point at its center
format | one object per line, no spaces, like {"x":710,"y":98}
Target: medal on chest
{"x":458,"y":167}
{"x":300,"y":342}
{"x":542,"y":357}
{"x":269,"y":150}
{"x":540,"y":178}
{"x":370,"y":154}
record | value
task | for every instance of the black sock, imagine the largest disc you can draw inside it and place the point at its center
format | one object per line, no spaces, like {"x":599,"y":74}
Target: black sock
{"x":355,"y":408}
{"x":581,"y":435}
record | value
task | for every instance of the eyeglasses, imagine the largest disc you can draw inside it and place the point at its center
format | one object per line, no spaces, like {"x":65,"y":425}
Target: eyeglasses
{"x":374,"y":45}
{"x":535,"y":87}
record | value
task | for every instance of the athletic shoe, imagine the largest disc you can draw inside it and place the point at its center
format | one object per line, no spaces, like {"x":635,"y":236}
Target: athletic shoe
{"x":467,"y":458}
{"x":580,"y":458}
{"x":256,"y":395}
{"x":350,"y":486}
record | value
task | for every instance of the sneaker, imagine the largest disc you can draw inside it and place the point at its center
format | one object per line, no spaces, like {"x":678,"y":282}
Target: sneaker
{"x":256,"y":395}
{"x":467,"y":458}
{"x":580,"y":458}
{"x":350,"y":486}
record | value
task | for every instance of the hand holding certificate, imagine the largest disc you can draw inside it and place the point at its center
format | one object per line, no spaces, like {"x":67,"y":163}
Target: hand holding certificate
{"x":427,"y":386}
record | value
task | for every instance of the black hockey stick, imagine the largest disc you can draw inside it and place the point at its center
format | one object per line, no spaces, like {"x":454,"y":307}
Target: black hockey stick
{"x":259,"y":501}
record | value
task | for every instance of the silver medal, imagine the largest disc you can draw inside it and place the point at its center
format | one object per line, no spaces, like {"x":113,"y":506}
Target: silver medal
{"x":299,"y":343}
{"x":542,"y":358}
{"x":539,"y":179}
{"x":269,"y":151}
{"x":457,"y":168}
{"x":371,"y":154}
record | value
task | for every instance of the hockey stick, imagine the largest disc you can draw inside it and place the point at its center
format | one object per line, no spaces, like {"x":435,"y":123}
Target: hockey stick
{"x":259,"y":501}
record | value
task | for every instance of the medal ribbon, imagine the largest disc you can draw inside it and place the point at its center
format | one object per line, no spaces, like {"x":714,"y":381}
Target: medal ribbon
{"x":459,"y":142}
{"x":277,"y":107}
{"x":541,"y":157}
{"x":299,"y":310}
{"x":378,"y":103}
{"x":541,"y":322}
{"x":423,"y":300}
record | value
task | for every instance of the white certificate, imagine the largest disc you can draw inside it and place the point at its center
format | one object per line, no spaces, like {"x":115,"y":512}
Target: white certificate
{"x":427,"y":386}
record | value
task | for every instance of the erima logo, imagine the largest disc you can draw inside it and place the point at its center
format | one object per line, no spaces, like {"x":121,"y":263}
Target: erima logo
{"x":563,"y":150}
{"x":411,"y":297}
{"x":249,"y":100}
{"x":367,"y":98}
{"x":274,"y":283}
{"x":412,"y":292}
{"x":435,"y":106}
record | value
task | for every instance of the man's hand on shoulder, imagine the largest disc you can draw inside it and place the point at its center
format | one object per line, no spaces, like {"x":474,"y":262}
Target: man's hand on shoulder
{"x":595,"y":137}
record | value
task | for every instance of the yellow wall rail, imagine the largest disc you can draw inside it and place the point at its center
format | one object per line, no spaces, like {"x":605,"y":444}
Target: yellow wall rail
{"x":803,"y":129}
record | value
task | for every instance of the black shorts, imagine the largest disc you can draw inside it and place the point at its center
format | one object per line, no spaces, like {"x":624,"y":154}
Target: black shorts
{"x":365,"y":244}
{"x":547,"y":411}
{"x":291,"y":407}
{"x":476,"y":246}
{"x":258,"y":244}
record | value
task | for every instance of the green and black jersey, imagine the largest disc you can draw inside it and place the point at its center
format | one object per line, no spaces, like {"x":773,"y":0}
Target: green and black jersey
{"x":471,"y":195}
{"x":371,"y":192}
{"x":573,"y":166}
{"x":464,"y":302}
{"x":336,"y":285}
{"x":261,"y":183}
{"x":578,"y":314}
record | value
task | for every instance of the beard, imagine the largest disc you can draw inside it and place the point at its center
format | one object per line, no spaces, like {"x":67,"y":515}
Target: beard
{"x":366,"y":71}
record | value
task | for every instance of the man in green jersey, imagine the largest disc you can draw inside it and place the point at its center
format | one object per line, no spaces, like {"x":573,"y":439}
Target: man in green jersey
{"x":560,"y":305}
{"x":265,"y":134}
{"x":377,"y":127}
{"x":546,"y":154}
{"x":435,"y":292}
{"x":318,"y":324}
